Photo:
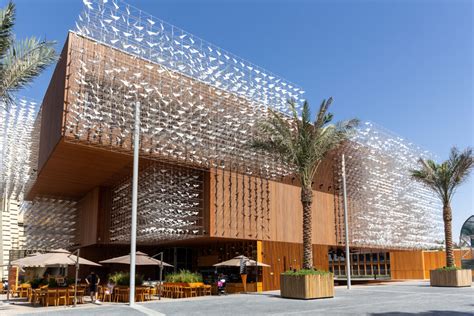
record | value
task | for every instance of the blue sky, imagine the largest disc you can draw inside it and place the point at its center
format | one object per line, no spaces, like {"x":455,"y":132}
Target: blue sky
{"x":405,"y":65}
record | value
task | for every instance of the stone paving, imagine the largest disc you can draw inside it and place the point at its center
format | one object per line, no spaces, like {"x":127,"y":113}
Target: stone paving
{"x":394,"y":298}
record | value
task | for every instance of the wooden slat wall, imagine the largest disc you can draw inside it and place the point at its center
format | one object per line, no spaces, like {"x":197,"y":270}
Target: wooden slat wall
{"x":52,"y":109}
{"x":407,"y":265}
{"x":437,"y":259}
{"x":282,"y":256}
{"x":88,"y":209}
{"x":105,"y":208}
{"x":285,"y":218}
{"x":417,"y":264}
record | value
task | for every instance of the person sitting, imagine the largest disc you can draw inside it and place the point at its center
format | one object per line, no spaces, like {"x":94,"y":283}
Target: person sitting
{"x":109,"y":289}
{"x":221,"y":284}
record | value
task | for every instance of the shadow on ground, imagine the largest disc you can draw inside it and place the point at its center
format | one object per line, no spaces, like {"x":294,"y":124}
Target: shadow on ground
{"x":427,"y":313}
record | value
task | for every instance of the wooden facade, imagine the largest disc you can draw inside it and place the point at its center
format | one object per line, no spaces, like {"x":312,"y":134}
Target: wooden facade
{"x":418,"y":264}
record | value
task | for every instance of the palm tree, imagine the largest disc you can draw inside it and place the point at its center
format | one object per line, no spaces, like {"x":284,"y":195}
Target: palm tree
{"x":303,"y":144}
{"x":444,"y":179}
{"x":20,"y":61}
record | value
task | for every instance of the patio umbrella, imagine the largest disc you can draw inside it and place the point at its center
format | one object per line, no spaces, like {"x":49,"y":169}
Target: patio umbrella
{"x":142,"y":259}
{"x":236,"y":261}
{"x":57,"y":257}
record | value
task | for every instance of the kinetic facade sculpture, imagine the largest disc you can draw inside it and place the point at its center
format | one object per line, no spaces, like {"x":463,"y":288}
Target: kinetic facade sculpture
{"x":387,"y":208}
{"x":18,"y":146}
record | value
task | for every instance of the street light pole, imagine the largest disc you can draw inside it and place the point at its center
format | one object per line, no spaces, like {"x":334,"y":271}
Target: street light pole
{"x":133,"y":233}
{"x":346,"y":224}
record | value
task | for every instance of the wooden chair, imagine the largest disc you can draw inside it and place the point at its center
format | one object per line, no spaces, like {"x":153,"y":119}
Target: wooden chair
{"x":178,"y":291}
{"x":70,"y":296}
{"x":80,"y":295}
{"x":140,"y":294}
{"x":15,"y":291}
{"x":147,"y":293}
{"x":121,"y":295}
{"x":29,"y":294}
{"x":100,"y":292}
{"x":37,"y":296}
{"x":23,"y":290}
{"x":50,"y":295}
{"x":190,"y":291}
{"x":165,"y":290}
{"x":107,"y":293}
{"x":62,"y":296}
{"x":207,"y":289}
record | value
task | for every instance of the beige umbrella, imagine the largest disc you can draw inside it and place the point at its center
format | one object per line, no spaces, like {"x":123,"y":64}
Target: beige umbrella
{"x":57,"y":257}
{"x":142,"y":259}
{"x":235,"y":262}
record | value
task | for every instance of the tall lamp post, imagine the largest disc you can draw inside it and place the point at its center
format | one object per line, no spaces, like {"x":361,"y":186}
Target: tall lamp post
{"x":346,"y":224}
{"x":133,"y":232}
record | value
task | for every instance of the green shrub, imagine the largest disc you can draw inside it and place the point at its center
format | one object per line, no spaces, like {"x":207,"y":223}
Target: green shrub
{"x":123,"y":278}
{"x":448,"y":268}
{"x":70,"y":281}
{"x":36,"y":283}
{"x":52,"y":283}
{"x":306,"y":272}
{"x":184,"y":276}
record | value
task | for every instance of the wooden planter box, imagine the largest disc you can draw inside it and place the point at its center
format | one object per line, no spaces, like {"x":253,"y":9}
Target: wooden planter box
{"x":306,"y":286}
{"x":454,"y":278}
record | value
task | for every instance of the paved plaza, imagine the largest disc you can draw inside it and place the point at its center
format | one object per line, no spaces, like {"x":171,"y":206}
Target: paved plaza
{"x":396,"y":298}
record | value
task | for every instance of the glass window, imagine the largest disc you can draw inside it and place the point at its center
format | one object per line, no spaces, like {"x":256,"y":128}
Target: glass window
{"x":369,"y":269}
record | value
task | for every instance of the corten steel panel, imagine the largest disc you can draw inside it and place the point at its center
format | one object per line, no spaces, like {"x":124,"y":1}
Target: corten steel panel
{"x":53,"y":109}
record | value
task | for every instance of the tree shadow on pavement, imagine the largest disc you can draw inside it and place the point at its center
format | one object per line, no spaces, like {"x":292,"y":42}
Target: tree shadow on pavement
{"x":428,"y":313}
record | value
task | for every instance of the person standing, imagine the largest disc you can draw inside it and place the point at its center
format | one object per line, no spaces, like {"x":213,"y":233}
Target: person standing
{"x":93,"y":281}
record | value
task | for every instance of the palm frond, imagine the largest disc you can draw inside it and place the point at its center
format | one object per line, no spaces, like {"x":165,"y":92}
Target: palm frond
{"x":7,"y":21}
{"x":22,"y":63}
{"x":299,"y":142}
{"x":446,"y":177}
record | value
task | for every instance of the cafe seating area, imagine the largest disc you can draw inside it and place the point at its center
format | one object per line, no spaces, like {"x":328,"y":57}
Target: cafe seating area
{"x":171,"y":290}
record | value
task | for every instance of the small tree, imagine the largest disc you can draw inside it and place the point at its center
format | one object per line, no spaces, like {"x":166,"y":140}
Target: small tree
{"x":20,"y":61}
{"x":444,"y":179}
{"x":303,"y":144}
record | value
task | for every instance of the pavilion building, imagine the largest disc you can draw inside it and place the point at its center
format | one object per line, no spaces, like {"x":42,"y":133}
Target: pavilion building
{"x":204,"y":195}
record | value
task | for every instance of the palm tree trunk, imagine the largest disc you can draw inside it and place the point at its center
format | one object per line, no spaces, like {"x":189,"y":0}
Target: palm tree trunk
{"x":448,"y":234}
{"x":307,"y":201}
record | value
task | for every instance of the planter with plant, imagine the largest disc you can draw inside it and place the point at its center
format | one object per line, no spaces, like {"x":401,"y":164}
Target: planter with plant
{"x":307,"y":284}
{"x":123,"y":279}
{"x":443,"y":179}
{"x":185,"y":278}
{"x":451,"y":277}
{"x":302,"y":144}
